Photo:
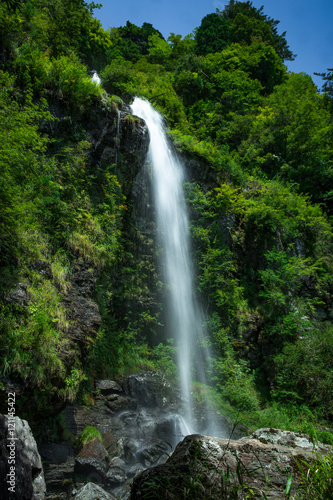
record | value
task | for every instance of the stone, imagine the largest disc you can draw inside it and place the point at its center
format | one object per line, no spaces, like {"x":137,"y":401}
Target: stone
{"x":106,"y":386}
{"x":19,"y":295}
{"x":84,"y":316}
{"x":19,"y":450}
{"x":151,"y":389}
{"x":156,"y":451}
{"x":116,"y":473}
{"x":205,"y":467}
{"x":92,"y":491}
{"x":91,"y":462}
{"x":288,"y":438}
{"x":81,"y":311}
{"x":58,"y":463}
{"x":116,"y":402}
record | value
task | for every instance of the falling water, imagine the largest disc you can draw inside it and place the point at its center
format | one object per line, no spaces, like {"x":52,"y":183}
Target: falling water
{"x":95,"y":78}
{"x":118,"y":136}
{"x":173,"y":227}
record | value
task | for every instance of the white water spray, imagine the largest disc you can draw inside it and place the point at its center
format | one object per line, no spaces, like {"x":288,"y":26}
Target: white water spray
{"x":173,"y":227}
{"x":95,"y":78}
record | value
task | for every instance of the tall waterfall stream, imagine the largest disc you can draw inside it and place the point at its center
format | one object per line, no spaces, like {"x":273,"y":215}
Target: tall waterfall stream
{"x":184,"y":312}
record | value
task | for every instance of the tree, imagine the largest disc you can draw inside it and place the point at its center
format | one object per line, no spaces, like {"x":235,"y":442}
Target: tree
{"x":159,"y":50}
{"x":291,"y":136}
{"x":131,"y":42}
{"x":181,"y":47}
{"x":247,"y":22}
{"x":327,"y":87}
{"x":213,"y":35}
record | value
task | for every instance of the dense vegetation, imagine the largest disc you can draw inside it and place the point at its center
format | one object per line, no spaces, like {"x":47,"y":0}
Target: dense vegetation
{"x":260,"y":202}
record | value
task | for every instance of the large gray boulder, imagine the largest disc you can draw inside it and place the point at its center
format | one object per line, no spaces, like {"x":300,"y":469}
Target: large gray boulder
{"x":204,"y":467}
{"x":21,"y":471}
{"x":92,"y":491}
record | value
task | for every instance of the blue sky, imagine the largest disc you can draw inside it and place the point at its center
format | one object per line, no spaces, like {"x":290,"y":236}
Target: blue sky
{"x":308,"y":23}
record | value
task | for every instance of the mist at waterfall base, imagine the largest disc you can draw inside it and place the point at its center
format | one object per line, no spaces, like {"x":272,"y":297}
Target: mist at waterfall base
{"x":95,"y":78}
{"x":184,"y":312}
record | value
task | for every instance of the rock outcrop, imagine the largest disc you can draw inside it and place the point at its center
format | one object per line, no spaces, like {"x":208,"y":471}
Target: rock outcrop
{"x":204,"y":467}
{"x":58,"y":465}
{"x":138,"y":421}
{"x":81,"y":310}
{"x":92,"y":491}
{"x":21,"y":471}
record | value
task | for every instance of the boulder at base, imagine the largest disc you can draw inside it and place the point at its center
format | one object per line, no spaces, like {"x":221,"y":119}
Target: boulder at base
{"x":204,"y":467}
{"x":20,"y":463}
{"x":92,"y":491}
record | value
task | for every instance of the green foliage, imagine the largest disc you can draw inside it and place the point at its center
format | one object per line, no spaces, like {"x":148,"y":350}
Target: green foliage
{"x":181,"y":47}
{"x":236,"y":384}
{"x":316,"y":477}
{"x":130,"y":42}
{"x":247,"y":22}
{"x":88,"y":434}
{"x":32,"y":340}
{"x":283,"y":279}
{"x":291,"y":137}
{"x":69,"y":80}
{"x":327,"y":88}
{"x":10,"y":28}
{"x":213,"y":35}
{"x":22,"y":148}
{"x":304,"y":371}
{"x":163,"y":356}
{"x":119,"y":78}
{"x":159,"y":50}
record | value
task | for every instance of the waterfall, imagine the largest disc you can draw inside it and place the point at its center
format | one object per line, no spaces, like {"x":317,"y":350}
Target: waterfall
{"x":118,"y":136}
{"x":184,"y":313}
{"x":95,"y":78}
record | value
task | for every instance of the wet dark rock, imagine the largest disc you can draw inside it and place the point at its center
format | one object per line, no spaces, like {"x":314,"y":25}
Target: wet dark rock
{"x":116,"y":473}
{"x":151,"y":389}
{"x":58,"y":459}
{"x":134,"y":435}
{"x":154,"y":452}
{"x":116,"y":402}
{"x":19,"y":450}
{"x":108,"y":386}
{"x":82,"y":311}
{"x":19,"y":295}
{"x":199,"y":170}
{"x":76,"y":419}
{"x":128,"y":449}
{"x":84,"y":317}
{"x":123,"y":492}
{"x":118,"y":138}
{"x":82,"y":278}
{"x":135,"y":469}
{"x":92,"y":462}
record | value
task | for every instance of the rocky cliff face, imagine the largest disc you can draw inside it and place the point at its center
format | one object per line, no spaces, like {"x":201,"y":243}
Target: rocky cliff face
{"x":117,"y":139}
{"x":138,"y":421}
